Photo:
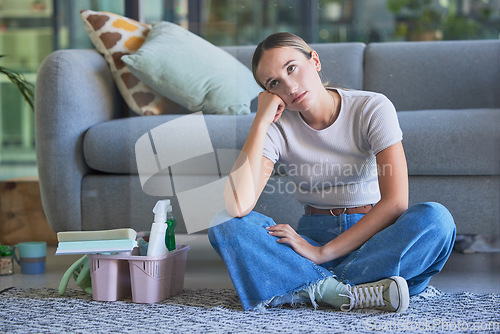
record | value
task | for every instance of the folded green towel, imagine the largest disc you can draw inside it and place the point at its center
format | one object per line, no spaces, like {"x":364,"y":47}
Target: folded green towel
{"x":95,"y":246}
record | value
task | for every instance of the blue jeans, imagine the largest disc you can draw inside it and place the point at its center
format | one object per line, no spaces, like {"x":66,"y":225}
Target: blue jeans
{"x":415,"y":247}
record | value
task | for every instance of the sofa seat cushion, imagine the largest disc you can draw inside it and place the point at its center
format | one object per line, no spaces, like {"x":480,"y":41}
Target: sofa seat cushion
{"x":436,"y":142}
{"x":110,"y":146}
{"x":451,"y":142}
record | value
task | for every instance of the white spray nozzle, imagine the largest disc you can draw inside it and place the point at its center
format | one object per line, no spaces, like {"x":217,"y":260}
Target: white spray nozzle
{"x":160,"y":210}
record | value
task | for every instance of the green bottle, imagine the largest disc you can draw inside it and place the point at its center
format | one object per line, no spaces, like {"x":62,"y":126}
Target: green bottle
{"x":170,"y":232}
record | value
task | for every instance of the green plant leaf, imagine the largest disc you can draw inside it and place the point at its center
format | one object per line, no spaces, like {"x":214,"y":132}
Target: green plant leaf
{"x":25,"y":87}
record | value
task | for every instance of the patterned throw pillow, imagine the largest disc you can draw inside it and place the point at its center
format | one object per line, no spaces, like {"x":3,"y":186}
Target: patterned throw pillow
{"x":115,"y":36}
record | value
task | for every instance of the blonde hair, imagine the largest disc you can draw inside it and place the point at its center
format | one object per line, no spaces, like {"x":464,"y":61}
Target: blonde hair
{"x":279,"y":40}
{"x":282,"y":40}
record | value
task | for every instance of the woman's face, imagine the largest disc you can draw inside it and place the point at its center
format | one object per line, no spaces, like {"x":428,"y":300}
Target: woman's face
{"x":288,"y":73}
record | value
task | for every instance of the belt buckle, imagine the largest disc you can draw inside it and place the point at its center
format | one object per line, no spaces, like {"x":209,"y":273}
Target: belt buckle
{"x":331,"y":212}
{"x":308,"y":210}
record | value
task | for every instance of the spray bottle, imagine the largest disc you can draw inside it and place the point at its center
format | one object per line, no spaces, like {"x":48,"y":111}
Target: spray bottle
{"x":170,"y":233}
{"x":157,"y":237}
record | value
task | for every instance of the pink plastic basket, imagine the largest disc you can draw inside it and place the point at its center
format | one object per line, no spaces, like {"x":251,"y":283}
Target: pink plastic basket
{"x":149,"y":279}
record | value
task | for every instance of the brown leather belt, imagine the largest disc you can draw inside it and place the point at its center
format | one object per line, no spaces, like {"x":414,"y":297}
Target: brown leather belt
{"x":309,"y":210}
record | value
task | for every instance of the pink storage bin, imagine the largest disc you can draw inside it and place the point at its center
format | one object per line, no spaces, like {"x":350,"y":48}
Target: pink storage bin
{"x":149,"y":279}
{"x":180,"y":267}
{"x":110,"y":277}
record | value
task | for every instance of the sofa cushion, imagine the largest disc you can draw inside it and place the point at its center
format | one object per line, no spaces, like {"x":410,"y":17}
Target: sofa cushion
{"x":342,"y":63}
{"x":436,"y":142}
{"x":193,"y":72}
{"x":114,"y":36}
{"x":435,"y":75}
{"x":451,"y":142}
{"x":110,"y":146}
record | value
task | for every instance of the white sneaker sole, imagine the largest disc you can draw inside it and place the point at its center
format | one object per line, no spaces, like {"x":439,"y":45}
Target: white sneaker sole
{"x":404,"y":294}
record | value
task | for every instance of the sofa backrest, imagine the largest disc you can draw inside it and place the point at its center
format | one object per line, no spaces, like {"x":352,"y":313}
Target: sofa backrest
{"x":435,"y":75}
{"x":342,"y":63}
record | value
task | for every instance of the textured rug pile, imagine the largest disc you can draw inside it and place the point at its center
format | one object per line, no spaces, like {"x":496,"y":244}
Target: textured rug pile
{"x":219,"y":311}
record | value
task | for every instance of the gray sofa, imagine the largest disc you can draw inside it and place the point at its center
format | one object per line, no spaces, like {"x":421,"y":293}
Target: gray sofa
{"x":447,"y":95}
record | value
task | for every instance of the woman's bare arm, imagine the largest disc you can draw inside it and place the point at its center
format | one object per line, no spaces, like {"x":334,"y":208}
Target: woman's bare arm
{"x":251,"y":171}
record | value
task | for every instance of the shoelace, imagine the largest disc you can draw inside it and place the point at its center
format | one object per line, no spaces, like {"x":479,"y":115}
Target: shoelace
{"x":363,"y":296}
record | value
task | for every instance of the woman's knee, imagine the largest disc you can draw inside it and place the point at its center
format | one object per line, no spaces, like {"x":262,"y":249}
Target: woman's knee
{"x":433,"y":216}
{"x":227,"y":226}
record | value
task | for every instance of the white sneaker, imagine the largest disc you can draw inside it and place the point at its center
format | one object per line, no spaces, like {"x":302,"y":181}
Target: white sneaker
{"x":389,"y":294}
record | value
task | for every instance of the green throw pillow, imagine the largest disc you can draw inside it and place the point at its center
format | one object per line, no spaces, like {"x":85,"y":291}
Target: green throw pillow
{"x":193,"y":72}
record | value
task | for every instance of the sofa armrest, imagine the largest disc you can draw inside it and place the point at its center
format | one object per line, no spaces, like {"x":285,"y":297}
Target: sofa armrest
{"x":74,"y":91}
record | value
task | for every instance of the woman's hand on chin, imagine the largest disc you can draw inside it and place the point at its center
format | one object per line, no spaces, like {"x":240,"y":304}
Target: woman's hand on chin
{"x":270,"y":107}
{"x":287,"y":235}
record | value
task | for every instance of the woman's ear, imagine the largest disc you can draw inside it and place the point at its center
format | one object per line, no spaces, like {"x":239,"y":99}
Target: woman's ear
{"x":315,"y":60}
